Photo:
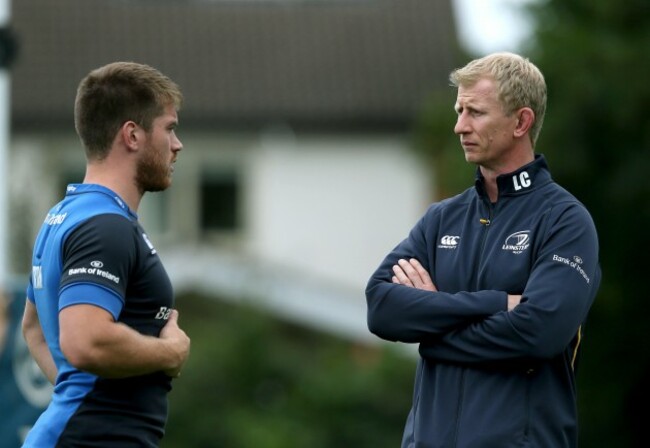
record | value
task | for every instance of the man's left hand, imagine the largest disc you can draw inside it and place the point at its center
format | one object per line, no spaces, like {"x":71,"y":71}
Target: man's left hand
{"x":411,"y":273}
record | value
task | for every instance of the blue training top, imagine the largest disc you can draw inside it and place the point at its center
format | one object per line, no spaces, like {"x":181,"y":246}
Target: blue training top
{"x":92,"y":250}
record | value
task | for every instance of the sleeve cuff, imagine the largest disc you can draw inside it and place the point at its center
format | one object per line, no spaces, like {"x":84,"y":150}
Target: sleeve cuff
{"x":91,"y":294}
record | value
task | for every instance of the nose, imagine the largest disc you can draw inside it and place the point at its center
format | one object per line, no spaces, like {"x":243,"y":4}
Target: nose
{"x":177,"y":145}
{"x":461,"y":125}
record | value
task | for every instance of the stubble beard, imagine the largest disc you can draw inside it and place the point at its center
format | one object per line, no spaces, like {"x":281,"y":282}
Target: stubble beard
{"x":152,"y":174}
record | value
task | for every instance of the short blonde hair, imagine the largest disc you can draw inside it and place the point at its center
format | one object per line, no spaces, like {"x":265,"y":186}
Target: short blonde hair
{"x":519,"y":84}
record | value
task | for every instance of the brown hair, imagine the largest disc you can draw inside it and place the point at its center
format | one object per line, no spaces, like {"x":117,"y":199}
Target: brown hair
{"x":115,"y":93}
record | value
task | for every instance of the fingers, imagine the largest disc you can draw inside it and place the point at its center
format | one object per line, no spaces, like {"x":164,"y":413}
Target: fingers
{"x":412,"y":273}
{"x":424,"y":276}
{"x":405,"y":274}
{"x":177,"y":344}
{"x":173,"y":373}
{"x":171,"y":328}
{"x":401,"y":277}
{"x":172,"y":320}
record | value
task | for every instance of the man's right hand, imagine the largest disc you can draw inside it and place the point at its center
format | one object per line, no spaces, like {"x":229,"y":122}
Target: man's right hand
{"x":513,"y":301}
{"x":179,"y":343}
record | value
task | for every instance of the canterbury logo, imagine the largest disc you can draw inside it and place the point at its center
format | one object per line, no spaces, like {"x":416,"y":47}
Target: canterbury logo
{"x":449,"y":242}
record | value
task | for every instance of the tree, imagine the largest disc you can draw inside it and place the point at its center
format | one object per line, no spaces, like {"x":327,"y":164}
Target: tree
{"x":595,"y":58}
{"x":255,"y":381}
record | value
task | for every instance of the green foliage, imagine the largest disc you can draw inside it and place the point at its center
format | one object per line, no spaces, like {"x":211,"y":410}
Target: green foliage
{"x":439,"y":146}
{"x":256,"y":382}
{"x":595,"y":57}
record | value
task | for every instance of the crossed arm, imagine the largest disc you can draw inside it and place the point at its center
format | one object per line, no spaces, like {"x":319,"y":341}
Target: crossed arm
{"x":540,"y":327}
{"x":489,"y":326}
{"x":412,"y":274}
{"x":92,"y":341}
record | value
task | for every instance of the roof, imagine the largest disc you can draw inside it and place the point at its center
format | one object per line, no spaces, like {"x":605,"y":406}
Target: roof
{"x":314,"y":63}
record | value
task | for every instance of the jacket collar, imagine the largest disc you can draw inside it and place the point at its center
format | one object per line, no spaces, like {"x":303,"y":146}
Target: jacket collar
{"x":521,"y":181}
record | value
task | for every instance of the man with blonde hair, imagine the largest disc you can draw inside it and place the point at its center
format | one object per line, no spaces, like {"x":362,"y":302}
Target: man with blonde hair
{"x":100,"y":318}
{"x":493,"y":284}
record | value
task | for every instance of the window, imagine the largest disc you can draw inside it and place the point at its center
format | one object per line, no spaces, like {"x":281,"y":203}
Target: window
{"x":153,"y":213}
{"x":220,"y":195}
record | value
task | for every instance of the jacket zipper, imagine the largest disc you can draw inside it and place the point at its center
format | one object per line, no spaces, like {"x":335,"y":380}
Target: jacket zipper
{"x":459,"y":409}
{"x":486,"y":222}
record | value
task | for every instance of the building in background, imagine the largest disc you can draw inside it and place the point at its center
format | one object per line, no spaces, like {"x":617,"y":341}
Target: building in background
{"x":297,"y":174}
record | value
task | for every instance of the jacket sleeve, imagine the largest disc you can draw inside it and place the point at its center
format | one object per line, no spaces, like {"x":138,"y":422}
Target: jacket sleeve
{"x":405,"y":314}
{"x":560,"y":290}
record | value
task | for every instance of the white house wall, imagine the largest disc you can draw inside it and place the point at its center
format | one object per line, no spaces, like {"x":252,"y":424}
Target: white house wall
{"x":333,"y":206}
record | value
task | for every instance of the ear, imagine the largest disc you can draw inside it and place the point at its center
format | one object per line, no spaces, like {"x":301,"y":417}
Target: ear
{"x":525,"y":121}
{"x":131,"y":135}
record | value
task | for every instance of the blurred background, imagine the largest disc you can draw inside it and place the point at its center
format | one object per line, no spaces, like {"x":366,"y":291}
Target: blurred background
{"x":315,"y":133}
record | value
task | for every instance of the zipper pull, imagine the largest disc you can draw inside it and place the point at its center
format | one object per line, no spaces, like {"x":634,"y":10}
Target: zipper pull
{"x":484,"y":221}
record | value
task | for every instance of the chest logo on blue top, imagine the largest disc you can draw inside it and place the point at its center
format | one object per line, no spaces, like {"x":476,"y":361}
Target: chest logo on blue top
{"x":517,"y":242}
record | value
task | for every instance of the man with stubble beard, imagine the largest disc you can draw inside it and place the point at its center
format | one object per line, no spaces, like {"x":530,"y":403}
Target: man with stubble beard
{"x":99,"y":317}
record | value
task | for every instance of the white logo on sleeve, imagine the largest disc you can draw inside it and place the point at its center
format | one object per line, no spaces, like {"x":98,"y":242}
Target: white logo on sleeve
{"x":37,"y":277}
{"x":95,"y":269}
{"x":146,"y":240}
{"x":576,"y":264}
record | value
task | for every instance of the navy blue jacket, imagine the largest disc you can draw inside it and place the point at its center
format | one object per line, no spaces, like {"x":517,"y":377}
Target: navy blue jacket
{"x":488,"y":377}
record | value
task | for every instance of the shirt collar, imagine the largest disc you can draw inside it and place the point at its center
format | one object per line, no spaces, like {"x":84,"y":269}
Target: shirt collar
{"x":521,"y":181}
{"x":74,"y":189}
